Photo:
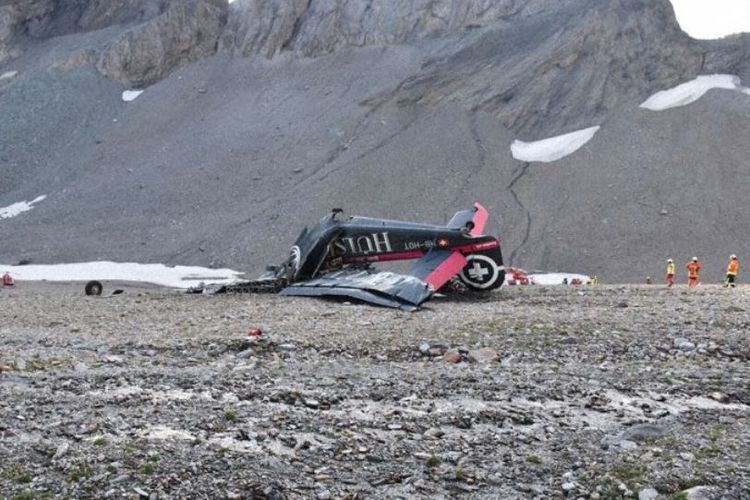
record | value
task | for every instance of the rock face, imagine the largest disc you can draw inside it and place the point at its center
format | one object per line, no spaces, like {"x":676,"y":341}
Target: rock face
{"x":314,"y":27}
{"x":730,"y":55}
{"x":47,"y":18}
{"x":156,"y":36}
{"x":15,"y":16}
{"x":184,"y":32}
{"x":640,"y":42}
{"x":591,"y":57}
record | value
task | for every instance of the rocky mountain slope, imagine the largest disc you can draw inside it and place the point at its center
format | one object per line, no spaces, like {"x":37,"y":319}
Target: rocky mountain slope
{"x":260,"y":116}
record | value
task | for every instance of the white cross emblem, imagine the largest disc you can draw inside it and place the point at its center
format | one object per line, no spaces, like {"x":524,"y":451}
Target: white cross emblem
{"x":478,"y":272}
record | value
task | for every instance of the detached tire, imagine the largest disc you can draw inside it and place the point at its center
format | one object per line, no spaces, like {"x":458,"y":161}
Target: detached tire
{"x":94,"y":288}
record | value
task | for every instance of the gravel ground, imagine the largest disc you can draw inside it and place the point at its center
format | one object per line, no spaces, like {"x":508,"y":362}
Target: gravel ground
{"x":527,"y":392}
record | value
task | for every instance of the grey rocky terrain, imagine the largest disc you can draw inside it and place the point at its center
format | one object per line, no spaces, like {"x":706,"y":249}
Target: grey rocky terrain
{"x":595,"y":392}
{"x":260,"y":116}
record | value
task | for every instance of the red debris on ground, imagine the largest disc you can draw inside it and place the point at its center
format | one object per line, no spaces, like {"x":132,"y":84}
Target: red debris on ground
{"x":517,"y":276}
{"x":8,"y":280}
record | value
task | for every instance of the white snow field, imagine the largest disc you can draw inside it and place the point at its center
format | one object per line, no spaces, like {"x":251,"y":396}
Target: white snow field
{"x":556,"y":278}
{"x":158,"y":274}
{"x":19,"y":208}
{"x":691,"y":91}
{"x":553,"y":148}
{"x":131,"y":95}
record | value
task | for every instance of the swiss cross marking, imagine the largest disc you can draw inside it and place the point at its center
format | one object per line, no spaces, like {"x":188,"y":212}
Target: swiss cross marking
{"x":478,"y":272}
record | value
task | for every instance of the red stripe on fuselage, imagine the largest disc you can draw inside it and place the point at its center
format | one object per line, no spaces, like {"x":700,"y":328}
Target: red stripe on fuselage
{"x":478,"y":247}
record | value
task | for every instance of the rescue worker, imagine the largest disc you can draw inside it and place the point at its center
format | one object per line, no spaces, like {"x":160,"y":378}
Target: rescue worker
{"x":732,"y":268}
{"x":670,"y":273}
{"x":694,"y":270}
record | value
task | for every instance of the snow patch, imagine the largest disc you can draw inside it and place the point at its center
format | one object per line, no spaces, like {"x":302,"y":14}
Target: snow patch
{"x":159,"y":274}
{"x":8,"y":75}
{"x":131,"y":95}
{"x":691,"y":91}
{"x":19,"y":208}
{"x":556,"y":278}
{"x":554,"y":148}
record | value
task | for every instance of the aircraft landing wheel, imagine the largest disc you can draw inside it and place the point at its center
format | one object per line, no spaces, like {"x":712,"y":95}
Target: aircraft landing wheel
{"x":93,"y":288}
{"x":482,"y":273}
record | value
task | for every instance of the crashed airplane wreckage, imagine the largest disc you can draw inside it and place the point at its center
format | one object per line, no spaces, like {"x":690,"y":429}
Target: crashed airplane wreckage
{"x":334,"y":258}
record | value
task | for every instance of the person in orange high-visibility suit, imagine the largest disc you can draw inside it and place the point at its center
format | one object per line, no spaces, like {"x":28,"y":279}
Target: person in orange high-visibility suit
{"x":670,"y":273}
{"x":694,"y":271}
{"x":732,"y":269}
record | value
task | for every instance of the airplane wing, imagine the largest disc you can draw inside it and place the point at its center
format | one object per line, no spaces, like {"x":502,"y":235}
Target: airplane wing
{"x":385,"y":288}
{"x":437,"y":267}
{"x":377,"y":287}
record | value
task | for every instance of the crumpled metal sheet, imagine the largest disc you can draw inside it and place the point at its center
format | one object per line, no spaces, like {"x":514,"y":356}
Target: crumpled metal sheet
{"x":382,"y":288}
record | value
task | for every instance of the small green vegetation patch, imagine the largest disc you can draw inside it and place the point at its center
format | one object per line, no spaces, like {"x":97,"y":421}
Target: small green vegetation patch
{"x":17,"y":474}
{"x":80,"y":472}
{"x":533,"y":459}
